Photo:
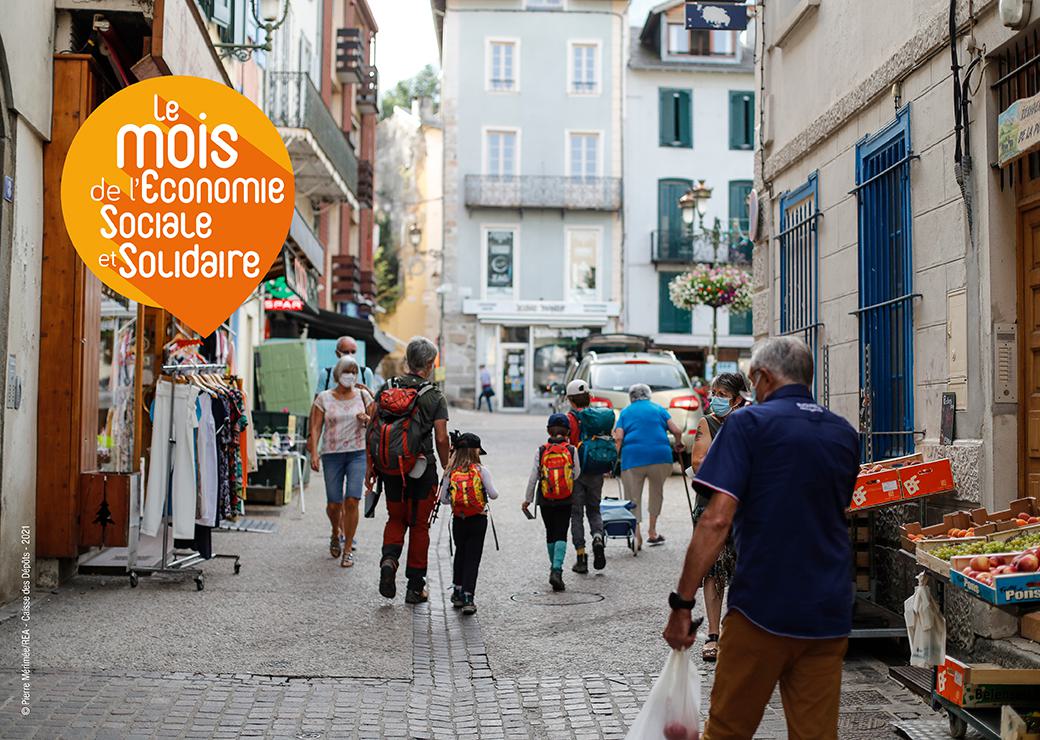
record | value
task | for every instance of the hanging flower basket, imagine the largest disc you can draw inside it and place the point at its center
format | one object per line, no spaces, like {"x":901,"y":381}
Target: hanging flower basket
{"x":716,"y":287}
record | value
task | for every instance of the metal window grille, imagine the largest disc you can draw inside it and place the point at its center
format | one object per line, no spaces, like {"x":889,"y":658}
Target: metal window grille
{"x":886,"y":290}
{"x":799,"y":266}
{"x":1018,"y":76}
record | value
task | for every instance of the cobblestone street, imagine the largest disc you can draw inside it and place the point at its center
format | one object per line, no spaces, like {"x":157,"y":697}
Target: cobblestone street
{"x":296,"y":647}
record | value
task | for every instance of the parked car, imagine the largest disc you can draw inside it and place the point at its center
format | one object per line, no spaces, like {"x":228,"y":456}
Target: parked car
{"x":611,"y":374}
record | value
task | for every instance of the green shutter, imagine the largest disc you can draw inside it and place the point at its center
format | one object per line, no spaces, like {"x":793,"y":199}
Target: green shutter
{"x":675,"y":117}
{"x":740,"y":324}
{"x":670,"y":319}
{"x":738,"y":208}
{"x":741,"y":119}
{"x":685,"y":136}
{"x":666,"y":117}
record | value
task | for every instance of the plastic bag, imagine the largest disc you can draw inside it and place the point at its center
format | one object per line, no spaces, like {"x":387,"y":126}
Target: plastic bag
{"x":925,"y":626}
{"x":673,"y":709}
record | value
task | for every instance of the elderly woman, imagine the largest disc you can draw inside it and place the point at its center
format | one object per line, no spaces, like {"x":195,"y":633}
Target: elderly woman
{"x":338,"y":419}
{"x":641,"y":434}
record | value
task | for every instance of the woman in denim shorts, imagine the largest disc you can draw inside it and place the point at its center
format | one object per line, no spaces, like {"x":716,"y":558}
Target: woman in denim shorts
{"x":339,"y":418}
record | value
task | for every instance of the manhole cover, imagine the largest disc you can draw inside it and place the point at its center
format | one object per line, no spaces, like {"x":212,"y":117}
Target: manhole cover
{"x":863,"y":699}
{"x":549,"y":598}
{"x":309,"y":735}
{"x":863,"y":721}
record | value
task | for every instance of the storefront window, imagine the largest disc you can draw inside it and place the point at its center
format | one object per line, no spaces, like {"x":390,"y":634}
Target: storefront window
{"x":118,"y":342}
{"x":500,"y":245}
{"x":554,"y":350}
{"x":582,"y":256}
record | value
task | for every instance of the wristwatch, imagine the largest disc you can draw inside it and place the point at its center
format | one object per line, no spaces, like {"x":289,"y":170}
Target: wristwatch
{"x":675,"y":601}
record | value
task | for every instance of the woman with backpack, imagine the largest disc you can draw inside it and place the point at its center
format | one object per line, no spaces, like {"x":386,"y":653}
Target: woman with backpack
{"x":728,"y":393}
{"x":467,"y":487}
{"x":556,"y":468}
{"x":338,"y":418}
{"x":642,"y":438}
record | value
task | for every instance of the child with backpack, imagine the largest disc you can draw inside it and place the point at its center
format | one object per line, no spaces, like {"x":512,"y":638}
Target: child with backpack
{"x":467,"y":487}
{"x":556,"y":467}
{"x":590,"y":433}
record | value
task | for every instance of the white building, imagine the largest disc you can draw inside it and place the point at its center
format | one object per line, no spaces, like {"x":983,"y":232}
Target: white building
{"x":532,"y":110}
{"x":690,"y":105}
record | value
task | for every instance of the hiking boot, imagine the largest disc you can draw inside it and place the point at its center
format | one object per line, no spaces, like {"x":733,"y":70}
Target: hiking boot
{"x":457,"y":600}
{"x":582,"y":565}
{"x":416,"y":593}
{"x":469,"y":608}
{"x":556,"y":580}
{"x":387,"y":584}
{"x":599,"y":553}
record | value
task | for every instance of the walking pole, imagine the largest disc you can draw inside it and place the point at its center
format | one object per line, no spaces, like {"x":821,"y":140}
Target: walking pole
{"x":494,"y":532}
{"x":686,"y":485}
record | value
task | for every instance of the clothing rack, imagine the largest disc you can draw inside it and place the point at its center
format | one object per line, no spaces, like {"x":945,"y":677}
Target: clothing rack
{"x":180,"y":565}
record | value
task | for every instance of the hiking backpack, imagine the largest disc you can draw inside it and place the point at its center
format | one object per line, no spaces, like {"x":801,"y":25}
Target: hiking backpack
{"x":394,"y":439}
{"x":597,"y":452}
{"x":466,"y":491}
{"x":556,"y":471}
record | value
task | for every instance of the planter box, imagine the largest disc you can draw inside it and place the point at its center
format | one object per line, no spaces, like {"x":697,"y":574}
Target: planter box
{"x":985,"y":685}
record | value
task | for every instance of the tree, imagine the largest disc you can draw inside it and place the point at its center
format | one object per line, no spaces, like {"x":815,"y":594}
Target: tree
{"x":387,"y":266}
{"x":425,"y":84}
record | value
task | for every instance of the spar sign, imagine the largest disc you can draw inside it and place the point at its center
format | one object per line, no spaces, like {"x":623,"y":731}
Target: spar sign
{"x":1019,"y":129}
{"x":178,"y":192}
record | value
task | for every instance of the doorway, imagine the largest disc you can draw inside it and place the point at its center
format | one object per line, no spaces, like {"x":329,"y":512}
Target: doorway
{"x":1029,"y":342}
{"x":514,"y":376}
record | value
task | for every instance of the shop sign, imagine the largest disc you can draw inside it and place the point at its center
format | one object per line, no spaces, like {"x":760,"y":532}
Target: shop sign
{"x":538,"y":311}
{"x":720,"y":16}
{"x":300,"y":280}
{"x":1019,"y":129}
{"x":278,"y":296}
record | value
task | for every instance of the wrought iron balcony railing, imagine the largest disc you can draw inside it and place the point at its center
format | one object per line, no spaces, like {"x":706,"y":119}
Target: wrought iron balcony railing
{"x":539,"y":191}
{"x":681,"y":247}
{"x":295,"y":105}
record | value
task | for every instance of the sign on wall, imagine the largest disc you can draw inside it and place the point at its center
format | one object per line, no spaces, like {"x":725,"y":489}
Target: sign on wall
{"x":720,"y":16}
{"x":1019,"y":130}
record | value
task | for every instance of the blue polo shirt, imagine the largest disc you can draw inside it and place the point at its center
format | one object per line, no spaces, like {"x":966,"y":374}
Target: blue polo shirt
{"x":792,"y":465}
{"x":645,"y":425}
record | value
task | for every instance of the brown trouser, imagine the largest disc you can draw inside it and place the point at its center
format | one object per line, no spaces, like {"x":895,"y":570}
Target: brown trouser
{"x":751,"y":661}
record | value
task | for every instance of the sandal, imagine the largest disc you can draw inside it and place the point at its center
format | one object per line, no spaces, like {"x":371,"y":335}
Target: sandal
{"x":658,"y":540}
{"x":710,"y":654}
{"x":334,"y":547}
{"x":347,"y":561}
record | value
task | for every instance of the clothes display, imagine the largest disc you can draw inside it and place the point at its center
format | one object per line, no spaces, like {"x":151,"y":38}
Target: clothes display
{"x":177,"y":400}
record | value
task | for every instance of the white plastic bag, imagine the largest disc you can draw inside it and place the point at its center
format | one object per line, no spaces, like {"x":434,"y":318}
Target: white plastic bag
{"x":673,"y":709}
{"x":925,"y":626}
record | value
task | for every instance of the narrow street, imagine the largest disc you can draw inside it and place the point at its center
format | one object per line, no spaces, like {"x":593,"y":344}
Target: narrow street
{"x":296,"y":647}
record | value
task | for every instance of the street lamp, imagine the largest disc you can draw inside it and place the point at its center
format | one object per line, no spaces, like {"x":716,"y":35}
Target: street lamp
{"x":694,"y":203}
{"x":415,"y":235}
{"x":269,"y":19}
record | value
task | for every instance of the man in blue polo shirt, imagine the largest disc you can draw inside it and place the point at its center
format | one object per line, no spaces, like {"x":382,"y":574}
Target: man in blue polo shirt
{"x":781,"y":473}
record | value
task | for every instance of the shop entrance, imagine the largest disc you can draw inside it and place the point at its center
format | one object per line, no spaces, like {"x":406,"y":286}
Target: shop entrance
{"x":514,"y":377}
{"x":1029,"y":341}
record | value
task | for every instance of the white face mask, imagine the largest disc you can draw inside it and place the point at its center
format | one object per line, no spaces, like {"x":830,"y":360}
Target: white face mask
{"x":348,"y":380}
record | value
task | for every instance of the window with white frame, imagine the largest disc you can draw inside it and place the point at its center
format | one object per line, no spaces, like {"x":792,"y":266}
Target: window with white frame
{"x":584,"y":68}
{"x":583,"y":264}
{"x":701,"y":42}
{"x":503,"y":66}
{"x":500,"y":259}
{"x":583,"y":154}
{"x":501,"y":152}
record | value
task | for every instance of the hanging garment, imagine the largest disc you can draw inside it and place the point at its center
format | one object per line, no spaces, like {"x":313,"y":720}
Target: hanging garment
{"x":179,"y":401}
{"x":206,"y":446}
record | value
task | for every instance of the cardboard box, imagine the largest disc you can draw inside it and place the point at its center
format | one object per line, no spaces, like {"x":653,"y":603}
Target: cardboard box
{"x":937,"y":532}
{"x":986,"y":685}
{"x":1001,"y":526}
{"x":876,"y":489}
{"x":1009,"y":588}
{"x":926,"y":479}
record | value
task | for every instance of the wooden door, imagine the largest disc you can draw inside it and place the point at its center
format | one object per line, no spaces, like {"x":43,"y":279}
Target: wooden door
{"x":1029,"y":343}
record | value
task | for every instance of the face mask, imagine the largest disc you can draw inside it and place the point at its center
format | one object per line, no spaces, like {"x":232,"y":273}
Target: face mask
{"x":719,"y":406}
{"x":347,"y":380}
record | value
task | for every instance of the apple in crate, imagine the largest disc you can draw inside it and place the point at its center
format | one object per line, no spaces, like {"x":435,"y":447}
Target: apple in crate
{"x":1027,"y":563}
{"x":985,"y":577}
{"x":981,"y":563}
{"x":995,"y":560}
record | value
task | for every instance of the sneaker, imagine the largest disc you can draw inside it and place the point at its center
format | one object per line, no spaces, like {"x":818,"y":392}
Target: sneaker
{"x":599,"y":553}
{"x":416,"y":595}
{"x":469,"y":608}
{"x":457,"y":600}
{"x":582,"y":565}
{"x":556,"y":580}
{"x":387,"y":584}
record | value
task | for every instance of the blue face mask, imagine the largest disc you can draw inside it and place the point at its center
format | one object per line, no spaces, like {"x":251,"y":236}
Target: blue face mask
{"x":719,"y":406}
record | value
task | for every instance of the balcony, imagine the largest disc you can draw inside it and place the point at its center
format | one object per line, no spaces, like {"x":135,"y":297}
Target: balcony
{"x":538,"y":191}
{"x":368,"y":91}
{"x":324,"y":163}
{"x":366,"y":183}
{"x":684,"y":248}
{"x":350,"y":56}
{"x":346,"y":279}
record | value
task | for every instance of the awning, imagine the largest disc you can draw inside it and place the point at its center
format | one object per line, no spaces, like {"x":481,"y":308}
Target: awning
{"x":332,"y":325}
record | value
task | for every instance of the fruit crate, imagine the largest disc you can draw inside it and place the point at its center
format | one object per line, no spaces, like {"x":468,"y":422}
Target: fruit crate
{"x":935,"y":564}
{"x":995,"y":585}
{"x":955,"y":527}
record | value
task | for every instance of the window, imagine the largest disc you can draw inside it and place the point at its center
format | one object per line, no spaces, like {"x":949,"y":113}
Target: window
{"x":502,"y":67}
{"x":582,"y":264}
{"x":738,"y":204}
{"x":501,"y":153}
{"x":621,"y":376}
{"x":740,"y":324}
{"x":583,"y":155}
{"x":584,"y":69}
{"x":799,"y":282}
{"x":500,"y":258}
{"x":670,"y":318}
{"x":675,"y":117}
{"x":700,"y":42}
{"x":741,"y":120}
{"x":886,"y":289}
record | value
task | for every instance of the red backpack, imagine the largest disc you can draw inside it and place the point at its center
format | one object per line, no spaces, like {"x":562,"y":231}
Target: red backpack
{"x":556,"y":471}
{"x":394,"y":439}
{"x":466,"y":491}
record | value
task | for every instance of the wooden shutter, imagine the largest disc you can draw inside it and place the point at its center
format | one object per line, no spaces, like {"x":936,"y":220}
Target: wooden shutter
{"x":685,"y":134}
{"x":738,"y":208}
{"x":741,"y":120}
{"x":670,"y":319}
{"x":666,"y":117}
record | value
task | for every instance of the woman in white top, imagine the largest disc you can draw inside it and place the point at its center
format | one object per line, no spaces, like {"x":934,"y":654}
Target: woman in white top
{"x":338,"y":419}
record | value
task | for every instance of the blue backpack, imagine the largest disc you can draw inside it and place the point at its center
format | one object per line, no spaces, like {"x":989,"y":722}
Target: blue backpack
{"x":597,"y":452}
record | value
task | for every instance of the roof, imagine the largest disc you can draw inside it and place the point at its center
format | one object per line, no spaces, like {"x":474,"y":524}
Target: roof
{"x":437,"y":7}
